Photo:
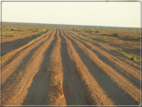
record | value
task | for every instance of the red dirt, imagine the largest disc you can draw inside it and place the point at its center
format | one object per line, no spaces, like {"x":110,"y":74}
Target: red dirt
{"x":60,"y":68}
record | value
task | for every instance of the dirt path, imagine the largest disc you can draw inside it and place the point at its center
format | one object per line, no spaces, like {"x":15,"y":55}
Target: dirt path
{"x":11,"y":43}
{"x":126,"y":70}
{"x":126,"y":46}
{"x":105,"y":68}
{"x":112,"y":45}
{"x":22,"y":77}
{"x":60,"y":68}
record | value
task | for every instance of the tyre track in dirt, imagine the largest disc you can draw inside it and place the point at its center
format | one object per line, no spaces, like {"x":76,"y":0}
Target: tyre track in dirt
{"x":131,"y":73}
{"x":130,"y":62}
{"x":12,"y":43}
{"x":42,"y":80}
{"x":12,"y":55}
{"x":94,"y":95}
{"x":18,"y":61}
{"x":73,"y":88}
{"x":56,"y":95}
{"x":121,"y":43}
{"x":121,"y":81}
{"x":9,"y":57}
{"x":60,"y":68}
{"x":107,"y":84}
{"x":16,"y":90}
{"x":103,"y":52}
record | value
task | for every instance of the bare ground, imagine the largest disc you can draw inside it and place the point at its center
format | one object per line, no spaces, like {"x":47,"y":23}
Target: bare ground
{"x":10,"y":43}
{"x":60,"y":68}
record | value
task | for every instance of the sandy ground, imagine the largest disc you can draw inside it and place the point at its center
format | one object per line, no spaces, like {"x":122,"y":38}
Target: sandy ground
{"x":10,"y":43}
{"x":60,"y":68}
{"x":126,"y":46}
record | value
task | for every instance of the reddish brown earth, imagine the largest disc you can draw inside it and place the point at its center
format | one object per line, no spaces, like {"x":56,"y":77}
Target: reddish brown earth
{"x":11,"y":43}
{"x":129,"y":47}
{"x":61,"y":68}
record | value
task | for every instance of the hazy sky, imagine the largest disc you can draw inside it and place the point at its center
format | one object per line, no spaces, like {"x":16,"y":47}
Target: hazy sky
{"x":122,"y":14}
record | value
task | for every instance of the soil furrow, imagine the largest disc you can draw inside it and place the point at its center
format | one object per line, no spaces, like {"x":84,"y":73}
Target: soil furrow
{"x":104,"y":51}
{"x":105,"y":47}
{"x":73,"y":88}
{"x":61,"y":68}
{"x":112,"y":89}
{"x":18,"y":61}
{"x":41,"y":81}
{"x":94,"y":94}
{"x":15,"y":93}
{"x":8,"y":45}
{"x":13,"y":54}
{"x":56,"y":95}
{"x":122,"y":82}
{"x":132,"y":75}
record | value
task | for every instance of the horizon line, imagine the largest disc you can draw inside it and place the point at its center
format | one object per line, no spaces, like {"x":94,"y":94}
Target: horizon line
{"x":70,"y":24}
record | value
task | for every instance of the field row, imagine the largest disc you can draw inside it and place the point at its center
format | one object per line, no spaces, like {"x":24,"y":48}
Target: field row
{"x":61,"y":68}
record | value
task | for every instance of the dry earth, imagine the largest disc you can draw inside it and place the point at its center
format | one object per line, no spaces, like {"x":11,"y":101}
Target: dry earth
{"x":60,"y":68}
{"x":11,"y":43}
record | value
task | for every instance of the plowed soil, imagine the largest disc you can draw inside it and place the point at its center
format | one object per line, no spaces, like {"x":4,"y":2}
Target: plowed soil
{"x":61,"y":68}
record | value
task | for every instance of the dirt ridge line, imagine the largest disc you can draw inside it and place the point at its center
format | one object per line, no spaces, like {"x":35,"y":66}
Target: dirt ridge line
{"x":102,"y":51}
{"x":131,"y":75}
{"x":118,"y":63}
{"x":125,"y":84}
{"x":26,"y":78}
{"x":115,"y":45}
{"x":20,"y":64}
{"x":13,"y":54}
{"x":110,"y":88}
{"x":7,"y":39}
{"x":56,"y":95}
{"x":96,"y":93}
{"x":74,"y":90}
{"x":8,"y":69}
{"x":41,"y":81}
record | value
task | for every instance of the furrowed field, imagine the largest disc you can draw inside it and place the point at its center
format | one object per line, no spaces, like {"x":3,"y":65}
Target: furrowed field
{"x":66,"y":65}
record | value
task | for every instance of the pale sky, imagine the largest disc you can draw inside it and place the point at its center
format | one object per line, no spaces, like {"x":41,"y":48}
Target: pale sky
{"x":120,"y":14}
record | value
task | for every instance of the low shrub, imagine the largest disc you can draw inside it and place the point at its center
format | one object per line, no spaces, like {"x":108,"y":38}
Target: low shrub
{"x":97,"y":31}
{"x":133,"y":58}
{"x":119,"y":49}
{"x":1,"y":57}
{"x":115,"y":34}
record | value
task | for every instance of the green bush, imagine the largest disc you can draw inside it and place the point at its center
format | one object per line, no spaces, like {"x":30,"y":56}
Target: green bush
{"x":119,"y":49}
{"x":115,"y":34}
{"x":30,"y":37}
{"x":1,"y":57}
{"x":97,"y":31}
{"x":133,"y":58}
